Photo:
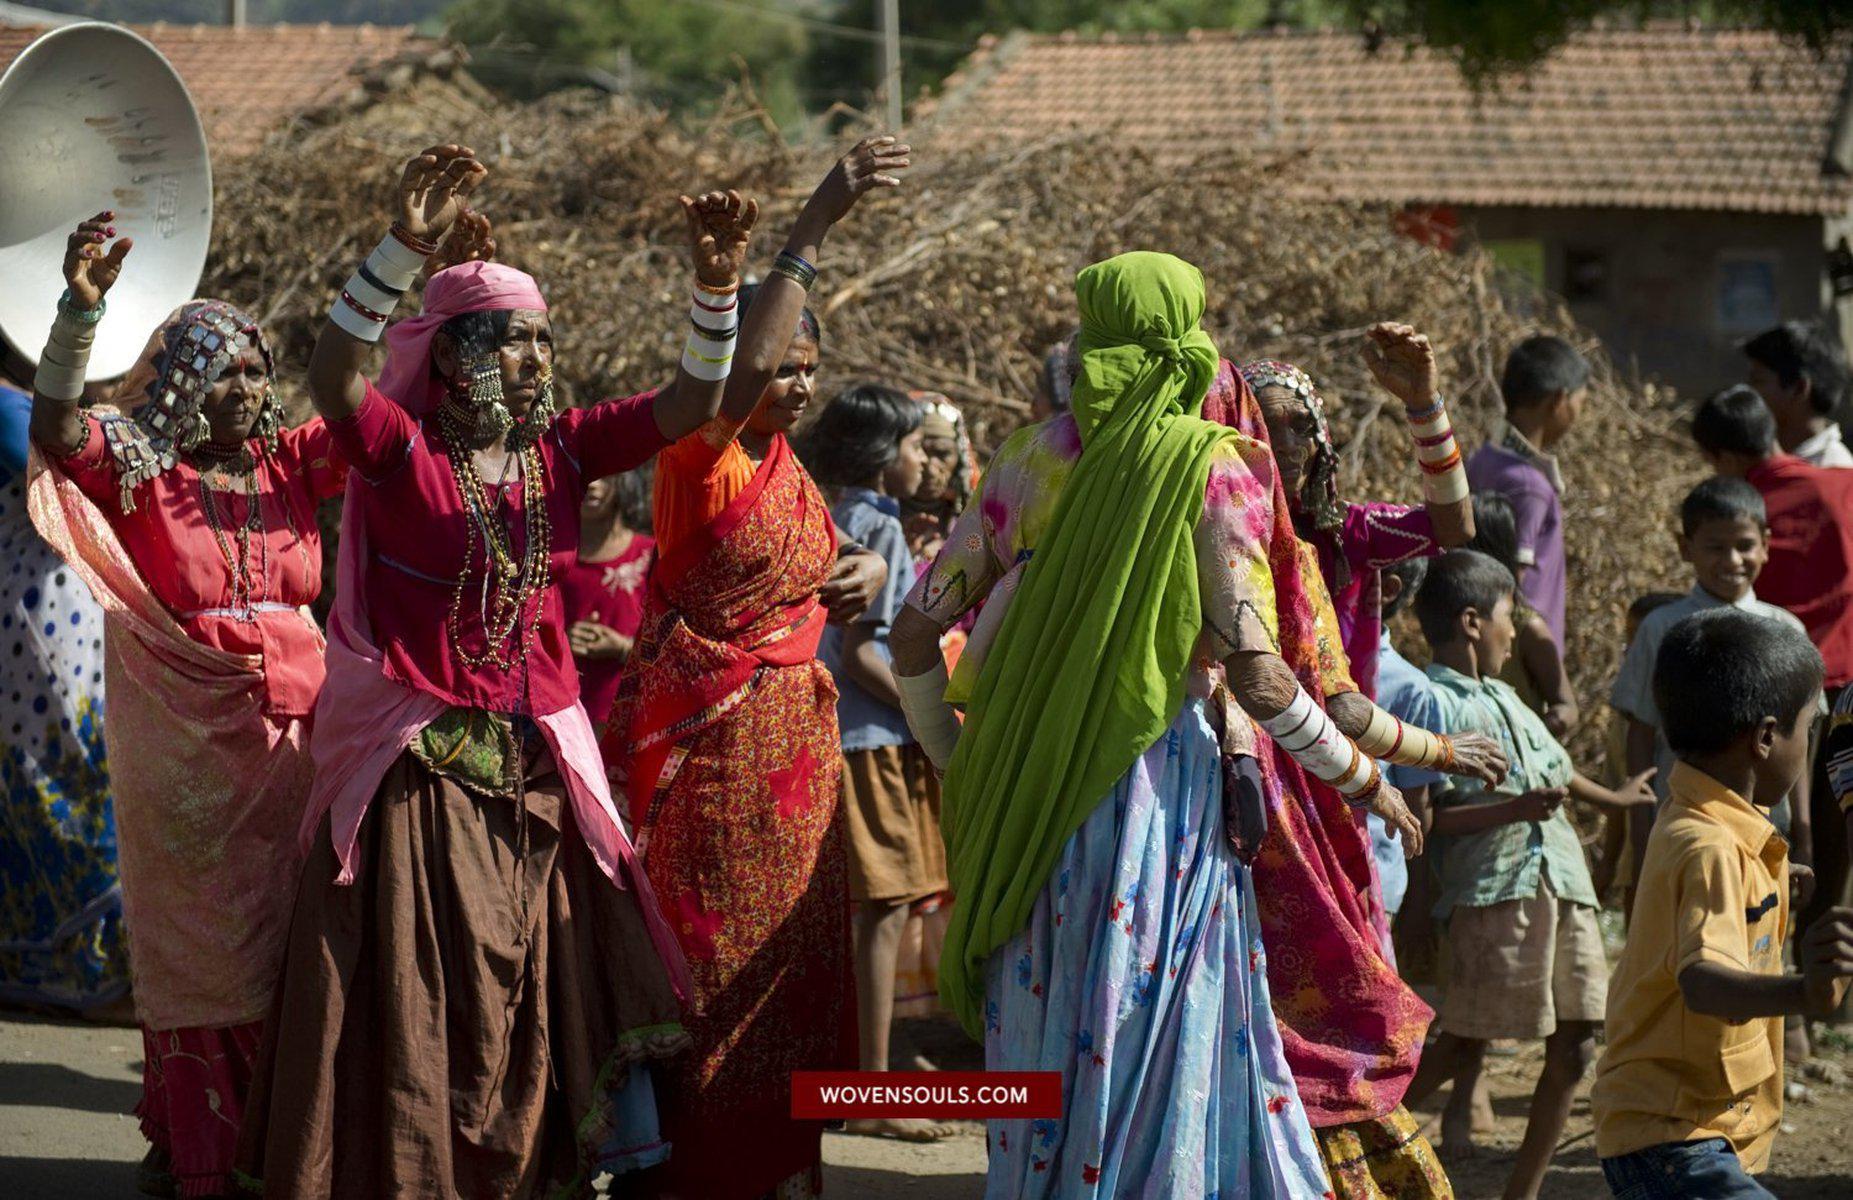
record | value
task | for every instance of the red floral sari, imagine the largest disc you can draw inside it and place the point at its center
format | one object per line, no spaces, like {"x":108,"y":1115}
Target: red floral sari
{"x":725,"y":739}
{"x":1351,"y":1027}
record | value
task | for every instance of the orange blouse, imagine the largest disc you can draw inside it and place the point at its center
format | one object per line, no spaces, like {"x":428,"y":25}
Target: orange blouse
{"x":696,"y":479}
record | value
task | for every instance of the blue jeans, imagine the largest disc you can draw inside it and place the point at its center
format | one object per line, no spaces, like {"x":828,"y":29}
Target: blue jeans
{"x":1707,"y":1170}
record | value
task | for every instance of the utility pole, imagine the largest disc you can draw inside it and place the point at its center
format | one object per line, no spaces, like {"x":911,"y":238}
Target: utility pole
{"x":234,"y":13}
{"x":891,"y":62}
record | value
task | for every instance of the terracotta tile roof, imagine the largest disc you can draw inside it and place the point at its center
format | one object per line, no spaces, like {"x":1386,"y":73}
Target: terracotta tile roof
{"x":250,"y":80}
{"x":1659,"y":117}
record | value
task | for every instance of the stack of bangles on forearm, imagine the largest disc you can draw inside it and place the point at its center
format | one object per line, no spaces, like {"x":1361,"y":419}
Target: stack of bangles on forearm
{"x":375,"y":289}
{"x":1389,"y":739}
{"x":67,"y":351}
{"x":1444,"y":477}
{"x":1304,"y":731}
{"x":795,"y":269}
{"x":715,"y":317}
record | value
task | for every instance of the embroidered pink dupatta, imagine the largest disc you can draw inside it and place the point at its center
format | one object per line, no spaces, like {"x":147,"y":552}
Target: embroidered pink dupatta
{"x":208,"y":788}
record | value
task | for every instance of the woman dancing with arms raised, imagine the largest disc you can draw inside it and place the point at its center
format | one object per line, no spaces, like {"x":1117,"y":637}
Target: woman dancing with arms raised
{"x":193,"y":523}
{"x":477,"y":969}
{"x":725,"y":736}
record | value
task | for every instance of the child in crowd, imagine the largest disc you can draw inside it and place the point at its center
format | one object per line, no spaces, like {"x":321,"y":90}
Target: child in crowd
{"x":1800,"y":370}
{"x":1615,"y":858}
{"x":1688,"y":1096}
{"x":1536,"y":668}
{"x":1724,"y":537}
{"x":1809,"y":572}
{"x":867,"y":448}
{"x":1526,"y":956}
{"x":1406,"y":694}
{"x":604,"y":590}
{"x":1544,"y":384}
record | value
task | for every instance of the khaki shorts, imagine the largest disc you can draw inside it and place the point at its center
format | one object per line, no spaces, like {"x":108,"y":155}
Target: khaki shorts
{"x":1518,"y":968}
{"x":891,"y":812}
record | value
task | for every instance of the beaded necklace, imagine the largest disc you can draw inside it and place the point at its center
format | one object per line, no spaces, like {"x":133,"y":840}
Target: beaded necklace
{"x":509,"y":598}
{"x":247,"y":588}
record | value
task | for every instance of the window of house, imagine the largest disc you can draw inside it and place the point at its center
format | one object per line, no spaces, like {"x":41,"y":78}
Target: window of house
{"x":1585,"y":274}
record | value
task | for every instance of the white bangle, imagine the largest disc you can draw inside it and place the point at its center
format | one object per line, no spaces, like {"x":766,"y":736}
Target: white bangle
{"x":1310,"y":738}
{"x":60,"y":374}
{"x":935,"y":724}
{"x":714,"y":319}
{"x":375,"y":289}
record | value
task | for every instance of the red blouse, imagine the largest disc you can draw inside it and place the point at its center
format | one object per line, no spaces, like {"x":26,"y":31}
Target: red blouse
{"x":415,"y":525}
{"x":610,"y":593}
{"x":187,"y":568}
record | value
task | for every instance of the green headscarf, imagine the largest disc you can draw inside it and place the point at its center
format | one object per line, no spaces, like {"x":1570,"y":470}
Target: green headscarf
{"x":1089,"y":668}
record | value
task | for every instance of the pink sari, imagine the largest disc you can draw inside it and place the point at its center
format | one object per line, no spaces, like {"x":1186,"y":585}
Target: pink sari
{"x":1351,"y":1027}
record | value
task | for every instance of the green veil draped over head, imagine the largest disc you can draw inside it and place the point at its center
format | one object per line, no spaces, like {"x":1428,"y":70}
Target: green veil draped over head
{"x":1089,"y":668}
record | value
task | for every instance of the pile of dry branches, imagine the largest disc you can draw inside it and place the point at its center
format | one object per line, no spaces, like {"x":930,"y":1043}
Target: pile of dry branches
{"x":961,"y":280}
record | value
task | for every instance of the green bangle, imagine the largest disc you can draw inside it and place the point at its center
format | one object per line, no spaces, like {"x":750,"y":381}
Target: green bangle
{"x":89,"y":316}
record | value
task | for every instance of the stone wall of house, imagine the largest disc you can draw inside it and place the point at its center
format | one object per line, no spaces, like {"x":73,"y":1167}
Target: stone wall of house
{"x":1672,"y":293}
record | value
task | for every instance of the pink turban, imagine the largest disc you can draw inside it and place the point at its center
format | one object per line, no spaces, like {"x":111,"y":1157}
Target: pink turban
{"x":408,"y":376}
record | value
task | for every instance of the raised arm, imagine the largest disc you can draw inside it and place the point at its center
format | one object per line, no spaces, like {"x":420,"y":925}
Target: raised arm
{"x":720,"y":226}
{"x":1404,"y":364}
{"x":90,"y":270}
{"x":768,"y":327}
{"x":432,"y":190}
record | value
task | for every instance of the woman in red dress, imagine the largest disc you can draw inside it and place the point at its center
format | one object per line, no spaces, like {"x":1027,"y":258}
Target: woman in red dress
{"x":725,"y":739}
{"x":477,"y":975}
{"x":193,"y":523}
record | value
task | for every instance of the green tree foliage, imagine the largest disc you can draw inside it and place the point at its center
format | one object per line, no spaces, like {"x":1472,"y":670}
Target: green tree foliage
{"x":680,"y":51}
{"x":1494,"y":37}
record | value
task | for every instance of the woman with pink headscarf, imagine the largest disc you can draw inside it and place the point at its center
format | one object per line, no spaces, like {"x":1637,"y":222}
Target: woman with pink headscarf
{"x":477,"y":972}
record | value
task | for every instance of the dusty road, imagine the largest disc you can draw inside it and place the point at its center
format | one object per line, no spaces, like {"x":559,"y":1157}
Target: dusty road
{"x":66,"y":1133}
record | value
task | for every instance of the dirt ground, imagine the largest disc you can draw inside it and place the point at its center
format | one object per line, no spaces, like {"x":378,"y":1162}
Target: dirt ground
{"x":67,"y":1091}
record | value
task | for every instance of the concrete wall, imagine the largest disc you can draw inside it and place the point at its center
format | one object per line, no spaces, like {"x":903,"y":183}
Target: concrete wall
{"x":1678,"y":290}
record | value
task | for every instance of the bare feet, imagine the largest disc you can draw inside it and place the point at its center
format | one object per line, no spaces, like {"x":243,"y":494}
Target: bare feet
{"x":1484,"y":1120}
{"x":1457,"y":1136}
{"x":906,"y":1129}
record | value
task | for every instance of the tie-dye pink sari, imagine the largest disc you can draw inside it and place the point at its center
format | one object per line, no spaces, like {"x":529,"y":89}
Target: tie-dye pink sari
{"x":1351,"y":1027}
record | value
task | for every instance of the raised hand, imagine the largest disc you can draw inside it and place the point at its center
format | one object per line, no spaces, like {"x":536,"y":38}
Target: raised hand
{"x":470,"y":240}
{"x":720,"y":225}
{"x":874,"y":163}
{"x":433,"y":188}
{"x":1477,"y":756}
{"x":1388,"y":803}
{"x":1402,"y":361}
{"x":90,"y":270}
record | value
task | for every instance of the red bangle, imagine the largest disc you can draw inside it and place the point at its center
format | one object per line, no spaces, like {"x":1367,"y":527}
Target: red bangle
{"x":378,"y":318}
{"x":1445,"y":465}
{"x":411,"y":241}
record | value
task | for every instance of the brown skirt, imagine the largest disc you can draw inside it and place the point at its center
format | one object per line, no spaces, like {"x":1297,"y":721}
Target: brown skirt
{"x":451,"y":1024}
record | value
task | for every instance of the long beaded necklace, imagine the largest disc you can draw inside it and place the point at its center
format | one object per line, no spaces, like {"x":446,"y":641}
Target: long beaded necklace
{"x":509,"y":599}
{"x":248,"y":589}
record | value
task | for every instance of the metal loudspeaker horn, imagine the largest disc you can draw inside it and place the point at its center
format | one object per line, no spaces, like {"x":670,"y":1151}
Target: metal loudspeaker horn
{"x":92,"y":118}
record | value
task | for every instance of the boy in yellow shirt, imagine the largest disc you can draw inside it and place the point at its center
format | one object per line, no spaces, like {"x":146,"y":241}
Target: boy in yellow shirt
{"x":1688,"y":1094}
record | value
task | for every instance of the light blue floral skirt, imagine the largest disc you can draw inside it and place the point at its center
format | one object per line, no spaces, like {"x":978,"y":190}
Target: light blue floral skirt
{"x":1140,"y":978}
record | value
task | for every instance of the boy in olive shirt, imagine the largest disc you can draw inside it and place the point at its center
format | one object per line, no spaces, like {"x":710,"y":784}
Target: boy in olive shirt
{"x":1688,"y":1095}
